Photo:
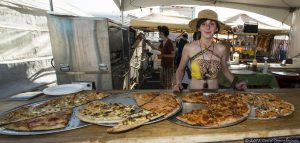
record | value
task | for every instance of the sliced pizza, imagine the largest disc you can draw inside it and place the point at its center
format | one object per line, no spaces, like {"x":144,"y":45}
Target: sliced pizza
{"x":98,"y":112}
{"x":195,"y":97}
{"x":162,"y":103}
{"x":50,"y":121}
{"x":134,"y":121}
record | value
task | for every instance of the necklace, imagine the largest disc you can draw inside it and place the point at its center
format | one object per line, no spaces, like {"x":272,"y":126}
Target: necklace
{"x":206,"y":74}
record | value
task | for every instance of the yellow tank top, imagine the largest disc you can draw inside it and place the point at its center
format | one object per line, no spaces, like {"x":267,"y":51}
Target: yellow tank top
{"x":201,"y":66}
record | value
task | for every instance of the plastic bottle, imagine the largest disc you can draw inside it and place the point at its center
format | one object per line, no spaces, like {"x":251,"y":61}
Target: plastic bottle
{"x":236,"y":58}
{"x":254,"y":65}
{"x":265,"y":70}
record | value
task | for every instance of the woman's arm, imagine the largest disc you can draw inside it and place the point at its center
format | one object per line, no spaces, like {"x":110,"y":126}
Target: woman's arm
{"x":149,"y":43}
{"x":181,"y":68}
{"x":234,"y":81}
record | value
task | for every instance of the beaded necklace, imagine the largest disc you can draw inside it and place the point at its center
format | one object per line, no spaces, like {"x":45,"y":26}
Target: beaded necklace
{"x":206,"y":75}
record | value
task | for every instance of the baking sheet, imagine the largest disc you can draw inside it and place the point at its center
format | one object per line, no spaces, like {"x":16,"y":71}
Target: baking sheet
{"x":188,"y":107}
{"x":74,"y":123}
{"x":127,"y":98}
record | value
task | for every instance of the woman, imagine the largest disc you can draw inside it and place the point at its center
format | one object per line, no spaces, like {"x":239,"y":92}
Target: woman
{"x":207,"y":57}
{"x":167,"y":57}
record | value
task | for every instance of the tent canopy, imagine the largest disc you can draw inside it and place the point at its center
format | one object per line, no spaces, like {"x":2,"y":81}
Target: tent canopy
{"x":263,"y":27}
{"x":150,"y":22}
{"x":276,"y":9}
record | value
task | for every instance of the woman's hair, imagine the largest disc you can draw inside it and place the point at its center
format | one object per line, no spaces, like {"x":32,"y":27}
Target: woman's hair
{"x":164,"y":30}
{"x":196,"y":35}
{"x":203,"y":20}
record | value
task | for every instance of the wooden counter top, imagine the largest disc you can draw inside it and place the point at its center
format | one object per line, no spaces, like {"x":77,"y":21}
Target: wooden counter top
{"x":167,"y":131}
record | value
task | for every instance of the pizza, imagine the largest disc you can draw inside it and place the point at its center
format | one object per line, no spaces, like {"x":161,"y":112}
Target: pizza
{"x":50,"y":106}
{"x":267,"y":105}
{"x":220,"y":110}
{"x":134,"y":121}
{"x":98,"y":112}
{"x":50,"y":121}
{"x":161,"y":103}
{"x":143,"y":98}
{"x":20,"y":114}
{"x":194,"y":97}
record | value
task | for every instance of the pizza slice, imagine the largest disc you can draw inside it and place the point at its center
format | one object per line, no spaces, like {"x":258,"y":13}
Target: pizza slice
{"x":195,"y":97}
{"x":134,"y":121}
{"x":200,"y":117}
{"x":50,"y":121}
{"x":261,"y":113}
{"x":165,"y":104}
{"x":17,"y":115}
{"x":145,"y":97}
{"x":98,"y":112}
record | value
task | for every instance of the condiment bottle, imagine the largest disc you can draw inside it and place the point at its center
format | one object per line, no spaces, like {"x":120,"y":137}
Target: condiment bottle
{"x":254,"y":65}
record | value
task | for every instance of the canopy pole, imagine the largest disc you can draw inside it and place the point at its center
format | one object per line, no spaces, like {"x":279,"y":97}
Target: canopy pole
{"x":291,"y":31}
{"x":51,"y":5}
{"x":122,"y":17}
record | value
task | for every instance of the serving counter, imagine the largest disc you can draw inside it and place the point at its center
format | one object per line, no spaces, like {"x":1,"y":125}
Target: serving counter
{"x":166,"y":131}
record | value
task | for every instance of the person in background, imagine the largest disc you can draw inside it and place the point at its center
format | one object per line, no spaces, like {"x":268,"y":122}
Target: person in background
{"x":167,"y":57}
{"x":180,"y":44}
{"x":207,"y":57}
{"x":282,"y":52}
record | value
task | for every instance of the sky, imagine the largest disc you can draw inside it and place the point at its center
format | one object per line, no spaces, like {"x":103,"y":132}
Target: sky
{"x":109,"y":9}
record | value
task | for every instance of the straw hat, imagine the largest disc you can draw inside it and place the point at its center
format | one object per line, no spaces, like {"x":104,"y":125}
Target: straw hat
{"x":205,"y":14}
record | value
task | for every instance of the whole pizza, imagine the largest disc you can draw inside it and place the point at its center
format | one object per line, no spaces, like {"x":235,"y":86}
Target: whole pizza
{"x":221,"y":109}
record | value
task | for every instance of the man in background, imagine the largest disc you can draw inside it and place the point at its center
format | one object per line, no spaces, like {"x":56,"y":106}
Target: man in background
{"x":180,"y":44}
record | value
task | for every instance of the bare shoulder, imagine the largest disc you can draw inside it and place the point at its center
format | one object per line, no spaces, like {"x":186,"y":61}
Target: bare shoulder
{"x":221,"y":49}
{"x":191,"y":45}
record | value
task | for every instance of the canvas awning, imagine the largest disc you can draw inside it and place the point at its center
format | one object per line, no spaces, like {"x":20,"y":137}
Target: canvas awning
{"x":277,"y":9}
{"x":263,"y":27}
{"x":150,"y":22}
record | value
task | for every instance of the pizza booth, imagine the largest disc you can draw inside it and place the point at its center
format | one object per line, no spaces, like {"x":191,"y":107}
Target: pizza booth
{"x":97,"y":53}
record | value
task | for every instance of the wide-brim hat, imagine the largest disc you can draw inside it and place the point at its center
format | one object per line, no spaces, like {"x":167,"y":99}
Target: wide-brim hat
{"x":206,"y":14}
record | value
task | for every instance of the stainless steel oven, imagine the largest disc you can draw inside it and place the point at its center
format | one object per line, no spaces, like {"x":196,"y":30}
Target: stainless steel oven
{"x":94,"y":50}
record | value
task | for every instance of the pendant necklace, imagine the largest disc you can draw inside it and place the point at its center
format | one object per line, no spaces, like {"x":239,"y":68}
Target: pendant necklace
{"x":206,"y":75}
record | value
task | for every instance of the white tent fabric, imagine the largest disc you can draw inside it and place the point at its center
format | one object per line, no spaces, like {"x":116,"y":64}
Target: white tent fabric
{"x":240,"y":19}
{"x":153,"y":20}
{"x":277,"y":9}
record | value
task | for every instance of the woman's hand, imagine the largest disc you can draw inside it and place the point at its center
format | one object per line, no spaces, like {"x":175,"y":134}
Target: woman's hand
{"x":241,"y":85}
{"x":177,"y":88}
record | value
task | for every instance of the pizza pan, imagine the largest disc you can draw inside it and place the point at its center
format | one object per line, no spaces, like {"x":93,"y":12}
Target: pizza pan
{"x":74,"y":123}
{"x":127,"y":98}
{"x":188,"y":107}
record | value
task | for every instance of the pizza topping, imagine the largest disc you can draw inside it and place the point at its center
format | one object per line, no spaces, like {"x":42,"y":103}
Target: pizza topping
{"x":163,"y":103}
{"x":47,"y":122}
{"x":221,"y":109}
{"x":100,"y":112}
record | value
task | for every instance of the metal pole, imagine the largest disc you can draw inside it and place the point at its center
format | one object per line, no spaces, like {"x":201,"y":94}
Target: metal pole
{"x":51,"y":5}
{"x":122,"y":17}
